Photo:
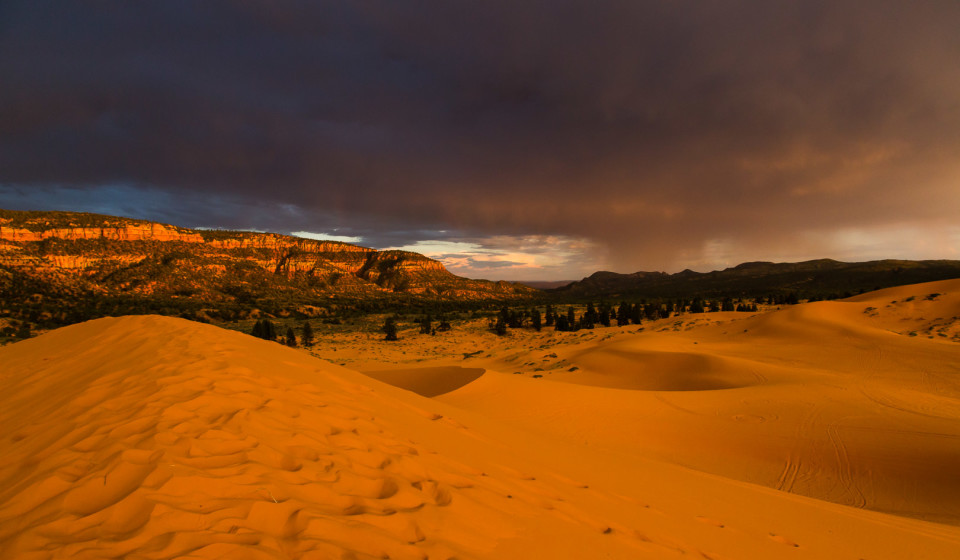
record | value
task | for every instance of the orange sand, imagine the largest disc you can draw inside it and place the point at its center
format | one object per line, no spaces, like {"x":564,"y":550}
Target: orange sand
{"x":728,"y":436}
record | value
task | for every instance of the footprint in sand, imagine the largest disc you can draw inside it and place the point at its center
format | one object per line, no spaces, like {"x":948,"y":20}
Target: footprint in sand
{"x":710,"y":521}
{"x":435,"y":492}
{"x":783,"y":540}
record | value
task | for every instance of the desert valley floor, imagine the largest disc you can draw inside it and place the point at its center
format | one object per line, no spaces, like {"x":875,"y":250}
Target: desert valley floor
{"x":822,"y":430}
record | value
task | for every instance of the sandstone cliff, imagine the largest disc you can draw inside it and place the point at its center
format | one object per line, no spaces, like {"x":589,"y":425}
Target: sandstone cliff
{"x":89,"y":255}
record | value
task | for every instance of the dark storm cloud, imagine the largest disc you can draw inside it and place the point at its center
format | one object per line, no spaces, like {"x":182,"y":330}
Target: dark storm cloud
{"x":652,"y":128}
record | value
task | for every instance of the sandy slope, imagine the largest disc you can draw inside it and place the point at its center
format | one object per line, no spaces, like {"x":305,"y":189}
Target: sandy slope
{"x":155,"y":437}
{"x":427,"y":381}
{"x":824,"y":399}
{"x":151,"y":437}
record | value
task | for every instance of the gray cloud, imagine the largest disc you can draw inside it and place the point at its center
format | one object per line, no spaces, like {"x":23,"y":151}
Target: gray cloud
{"x":655,"y":129}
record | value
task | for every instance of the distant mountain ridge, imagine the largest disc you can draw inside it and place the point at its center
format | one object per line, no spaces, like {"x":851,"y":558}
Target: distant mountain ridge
{"x":821,"y":278}
{"x":77,"y":259}
{"x":543,"y":284}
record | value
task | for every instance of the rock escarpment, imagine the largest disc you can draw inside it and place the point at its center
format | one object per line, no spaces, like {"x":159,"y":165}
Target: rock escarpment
{"x":73,"y":256}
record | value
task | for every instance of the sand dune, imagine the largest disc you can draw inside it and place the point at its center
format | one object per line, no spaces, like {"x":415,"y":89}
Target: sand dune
{"x":152,"y":437}
{"x":826,"y":399}
{"x":156,"y":437}
{"x":625,"y":366}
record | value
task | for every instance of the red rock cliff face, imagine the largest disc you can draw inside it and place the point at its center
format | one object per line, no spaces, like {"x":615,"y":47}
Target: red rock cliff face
{"x":285,"y":254}
{"x":160,"y":232}
{"x":89,"y":245}
{"x":273,"y":241}
{"x":130,"y":232}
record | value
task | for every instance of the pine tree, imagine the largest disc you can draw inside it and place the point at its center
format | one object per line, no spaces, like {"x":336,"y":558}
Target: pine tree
{"x":503,"y":317}
{"x":550,"y":318}
{"x":307,"y":337}
{"x":590,"y":317}
{"x":425,"y":324}
{"x":604,"y":315}
{"x":515,"y":320}
{"x":501,"y":326}
{"x":390,"y":329}
{"x":291,"y":338}
{"x":264,"y":329}
{"x":651,"y":311}
{"x":535,"y":320}
{"x":269,"y":330}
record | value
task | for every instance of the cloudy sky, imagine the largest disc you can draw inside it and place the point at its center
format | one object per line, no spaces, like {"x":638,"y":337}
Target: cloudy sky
{"x":516,"y":139}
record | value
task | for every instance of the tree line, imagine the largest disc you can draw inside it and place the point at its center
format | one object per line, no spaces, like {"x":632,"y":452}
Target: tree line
{"x":265,"y":329}
{"x":606,"y":315}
